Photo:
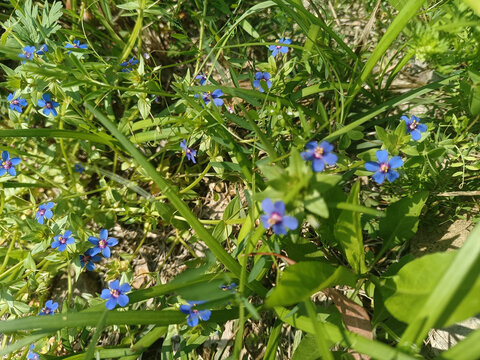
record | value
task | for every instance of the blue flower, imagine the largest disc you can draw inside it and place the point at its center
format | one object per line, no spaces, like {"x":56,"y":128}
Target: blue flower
{"x":262,"y":76}
{"x":275,"y":49}
{"x":61,"y":242}
{"x":32,"y":355}
{"x":27,"y":53}
{"x":76,"y":45}
{"x":232,"y":286}
{"x":319,"y":155}
{"x":202,"y":77}
{"x":44,"y":212}
{"x":103,"y":244}
{"x":127,"y":65}
{"x":48,"y":105}
{"x":275,"y":217}
{"x":49,"y":308}
{"x":189,"y":152}
{"x":16,"y":103}
{"x":8,"y":165}
{"x":87,"y":260}
{"x":383,"y":169}
{"x":115,"y":294}
{"x":213,"y":96}
{"x":78,"y":168}
{"x":43,"y":49}
{"x":414,"y":127}
{"x":193,"y":314}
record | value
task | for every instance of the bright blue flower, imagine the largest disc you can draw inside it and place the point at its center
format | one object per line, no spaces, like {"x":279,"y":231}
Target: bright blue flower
{"x":87,"y":260}
{"x":232,"y":286}
{"x":32,"y":355}
{"x":383,"y":169}
{"x":76,"y":45}
{"x":27,"y":53}
{"x":48,"y":105}
{"x":202,"y":77}
{"x":189,"y":152}
{"x":61,"y":242}
{"x":193,"y":314}
{"x":262,"y":76}
{"x":127,"y":65}
{"x":275,"y":49}
{"x":43,"y":49}
{"x":16,"y":103}
{"x":44,"y":212}
{"x":213,"y":96}
{"x":8,"y":165}
{"x":103,"y":244}
{"x":275,"y":217}
{"x":49,"y":308}
{"x":319,"y":155}
{"x":78,"y":168}
{"x":414,"y":127}
{"x":115,"y":294}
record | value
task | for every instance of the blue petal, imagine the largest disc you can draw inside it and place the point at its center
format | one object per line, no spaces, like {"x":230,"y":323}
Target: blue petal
{"x":70,"y":240}
{"x":110,"y":304}
{"x":48,"y":214}
{"x":40,"y":220}
{"x":41,"y":103}
{"x":5,"y":155}
{"x":382,"y":156}
{"x":112,"y":242}
{"x":218,"y":101}
{"x":186,"y":309}
{"x":90,"y":266}
{"x":53,"y":111}
{"x":279,"y":207}
{"x":2,"y":171}
{"x":392,"y":175}
{"x":11,"y":171}
{"x":422,"y":127}
{"x":204,"y":314}
{"x":105,"y":294}
{"x":103,"y":234}
{"x":258,"y":75}
{"x":264,"y":219}
{"x":256,"y":84}
{"x":114,"y":285}
{"x":395,"y":162}
{"x":67,"y":233}
{"x":290,"y":222}
{"x":307,"y":155}
{"x":93,"y":240}
{"x":372,"y":166}
{"x":46,"y":97}
{"x":287,"y":41}
{"x":312,"y":145}
{"x":284,"y":49}
{"x":123,"y":300}
{"x":415,"y":135}
{"x":274,"y":52}
{"x":15,"y":161}
{"x":330,"y":158}
{"x":406,"y":119}
{"x":106,"y":252}
{"x":62,"y":247}
{"x":326,"y":146}
{"x":192,"y":320}
{"x":318,"y":165}
{"x":267,"y":206}
{"x":55,"y":243}
{"x":379,"y":177}
{"x":94,"y":251}
{"x":217,"y":93}
{"x":124,"y":288}
{"x":279,"y":229}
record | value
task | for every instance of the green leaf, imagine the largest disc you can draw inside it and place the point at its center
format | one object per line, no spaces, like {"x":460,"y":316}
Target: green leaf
{"x":307,"y":349}
{"x":143,"y":107}
{"x":301,"y":280}
{"x":315,"y":203}
{"x":401,"y":221}
{"x":406,"y":292}
{"x":348,"y":233}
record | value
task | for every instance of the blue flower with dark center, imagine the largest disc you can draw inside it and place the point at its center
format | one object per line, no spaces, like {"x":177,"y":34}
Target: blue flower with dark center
{"x":115,"y":294}
{"x":189,"y":152}
{"x":414,"y":127}
{"x":383,"y":169}
{"x":75,"y":45}
{"x":275,"y":217}
{"x":319,"y":155}
{"x":280,"y":47}
{"x":8,"y":165}
{"x":232,"y":286}
{"x":103,"y":244}
{"x":48,"y":105}
{"x":202,"y":78}
{"x":16,"y":103}
{"x":43,"y":49}
{"x":88,"y":260}
{"x":127,"y":65}
{"x":49,"y":308}
{"x":193,"y":314}
{"x":262,"y":76}
{"x":44,"y":212}
{"x":61,"y":242}
{"x":27,"y":53}
{"x":213,"y":96}
{"x":78,"y":168}
{"x":32,"y":355}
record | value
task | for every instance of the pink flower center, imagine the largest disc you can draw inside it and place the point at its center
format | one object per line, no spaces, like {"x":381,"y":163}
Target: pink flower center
{"x":48,"y":105}
{"x":62,"y":240}
{"x":413,"y":125}
{"x":102,"y":244}
{"x":275,"y":218}
{"x":41,"y":212}
{"x":115,"y":293}
{"x":6,"y":164}
{"x":15,"y":102}
{"x":46,"y":311}
{"x":318,"y":153}
{"x":27,"y":54}
{"x":86,"y":258}
{"x":384,"y":167}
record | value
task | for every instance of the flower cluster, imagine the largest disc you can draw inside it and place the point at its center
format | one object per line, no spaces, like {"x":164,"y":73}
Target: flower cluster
{"x":44,"y":212}
{"x":127,"y":65}
{"x":189,"y":152}
{"x":32,"y":355}
{"x":230,"y":287}
{"x":320,"y":155}
{"x":281,"y":46}
{"x":8,"y":164}
{"x":16,"y":104}
{"x":414,"y":127}
{"x":49,"y":308}
{"x":275,"y":217}
{"x":102,"y":244}
{"x":61,"y":241}
{"x":384,"y":167}
{"x":115,"y":295}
